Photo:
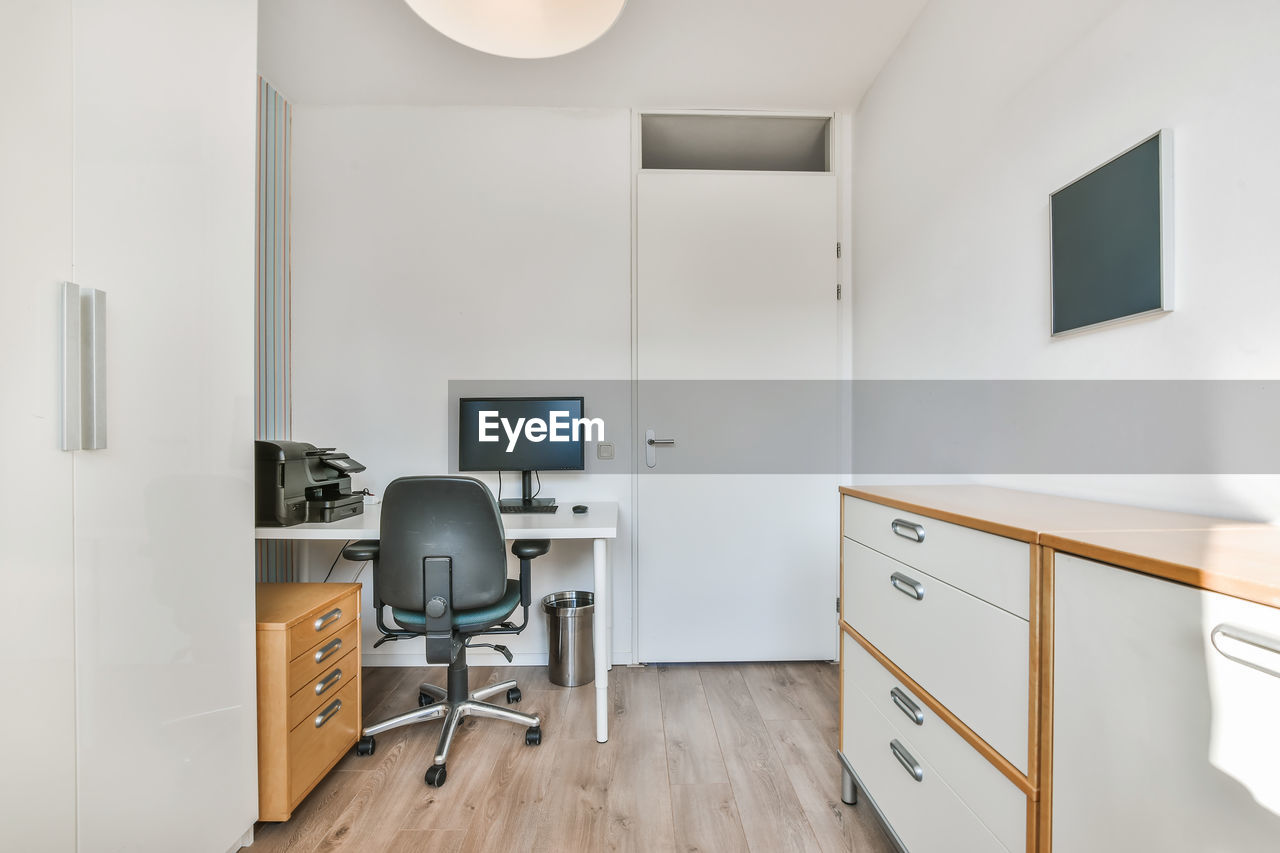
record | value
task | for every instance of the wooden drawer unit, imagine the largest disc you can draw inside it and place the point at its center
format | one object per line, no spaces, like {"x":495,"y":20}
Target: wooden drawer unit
{"x":308,"y":688}
{"x":972,"y":656}
{"x":978,"y":784}
{"x":898,"y":775}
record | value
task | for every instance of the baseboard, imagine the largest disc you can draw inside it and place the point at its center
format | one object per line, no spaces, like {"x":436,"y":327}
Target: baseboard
{"x":475,"y":657}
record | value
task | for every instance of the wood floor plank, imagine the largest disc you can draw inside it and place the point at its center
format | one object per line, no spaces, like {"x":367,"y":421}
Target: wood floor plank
{"x":638,"y":806}
{"x":795,"y":691}
{"x":809,"y":755}
{"x":772,"y":818}
{"x":707,"y":819}
{"x":693,"y":751}
{"x":313,"y":818}
{"x":574,"y":813}
{"x":426,"y":841}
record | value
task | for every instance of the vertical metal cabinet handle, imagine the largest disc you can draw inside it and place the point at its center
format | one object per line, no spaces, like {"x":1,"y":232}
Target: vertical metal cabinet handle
{"x":335,"y":613}
{"x":907,"y":586}
{"x":84,"y":369}
{"x":328,"y":649}
{"x":906,"y":706}
{"x":908,"y":529}
{"x":324,"y":715}
{"x":907,"y":760}
{"x":328,"y":681}
{"x":1249,"y":638}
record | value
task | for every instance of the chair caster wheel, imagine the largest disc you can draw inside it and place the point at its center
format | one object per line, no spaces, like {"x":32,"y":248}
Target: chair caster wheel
{"x":365,"y":746}
{"x":533,"y":736}
{"x":513,"y":695}
{"x":423,"y":699}
{"x":436,"y":775}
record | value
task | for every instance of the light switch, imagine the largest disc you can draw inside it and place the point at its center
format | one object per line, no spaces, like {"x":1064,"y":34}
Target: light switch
{"x":604,"y":450}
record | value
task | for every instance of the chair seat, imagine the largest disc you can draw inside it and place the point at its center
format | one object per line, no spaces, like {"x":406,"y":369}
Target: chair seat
{"x":467,"y":620}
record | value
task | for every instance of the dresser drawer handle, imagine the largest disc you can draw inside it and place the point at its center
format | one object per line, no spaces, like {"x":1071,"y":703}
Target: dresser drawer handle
{"x":329,"y":680}
{"x":1249,"y":638}
{"x":328,"y":649}
{"x":907,"y":586}
{"x":324,"y":715}
{"x":906,"y":760}
{"x":908,"y":529}
{"x":331,"y":616}
{"x":906,"y":706}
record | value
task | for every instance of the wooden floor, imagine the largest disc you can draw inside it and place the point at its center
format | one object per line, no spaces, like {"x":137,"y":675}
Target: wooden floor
{"x":732,"y":757}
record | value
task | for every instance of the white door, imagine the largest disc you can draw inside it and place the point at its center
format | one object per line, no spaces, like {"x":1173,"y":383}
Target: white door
{"x":1164,"y":723}
{"x":736,"y":281}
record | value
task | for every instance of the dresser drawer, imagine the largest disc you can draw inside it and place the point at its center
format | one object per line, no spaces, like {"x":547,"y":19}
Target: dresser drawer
{"x":972,"y":657}
{"x":319,"y":740}
{"x":320,"y":658}
{"x":993,"y":568}
{"x":320,"y":691}
{"x":321,"y":623}
{"x":918,"y":803}
{"x":998,"y":803}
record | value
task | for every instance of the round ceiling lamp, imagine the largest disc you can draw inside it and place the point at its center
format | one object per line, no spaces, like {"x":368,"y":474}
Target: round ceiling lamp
{"x":522,"y":29}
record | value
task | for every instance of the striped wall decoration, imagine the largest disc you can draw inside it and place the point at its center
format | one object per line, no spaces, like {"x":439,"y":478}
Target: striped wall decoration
{"x":273,"y":403}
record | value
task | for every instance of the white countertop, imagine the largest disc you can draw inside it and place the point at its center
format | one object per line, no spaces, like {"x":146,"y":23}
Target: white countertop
{"x":599,"y":522}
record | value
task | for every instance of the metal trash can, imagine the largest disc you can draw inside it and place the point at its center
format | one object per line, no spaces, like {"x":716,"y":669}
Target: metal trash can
{"x":571,"y":656}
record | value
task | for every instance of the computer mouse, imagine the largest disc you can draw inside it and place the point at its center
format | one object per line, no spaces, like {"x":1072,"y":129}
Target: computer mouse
{"x":580,"y":509}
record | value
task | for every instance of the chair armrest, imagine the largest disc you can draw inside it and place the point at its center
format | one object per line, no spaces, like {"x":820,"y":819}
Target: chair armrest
{"x":359,"y":552}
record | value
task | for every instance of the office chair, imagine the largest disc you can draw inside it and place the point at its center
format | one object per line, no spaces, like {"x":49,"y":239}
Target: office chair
{"x":441,"y":567}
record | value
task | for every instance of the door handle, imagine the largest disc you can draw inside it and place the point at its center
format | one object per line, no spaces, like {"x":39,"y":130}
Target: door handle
{"x":1248,"y":638}
{"x":907,"y":586}
{"x":651,"y":446}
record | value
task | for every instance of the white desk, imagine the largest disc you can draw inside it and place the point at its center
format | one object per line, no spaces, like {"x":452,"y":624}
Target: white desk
{"x":599,"y":524}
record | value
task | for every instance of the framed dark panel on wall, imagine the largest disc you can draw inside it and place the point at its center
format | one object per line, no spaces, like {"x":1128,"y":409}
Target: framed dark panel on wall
{"x":1113,"y":240}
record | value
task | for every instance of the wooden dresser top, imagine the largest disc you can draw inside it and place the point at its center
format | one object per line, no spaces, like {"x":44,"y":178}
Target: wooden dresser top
{"x":1238,"y":558}
{"x":281,"y":605}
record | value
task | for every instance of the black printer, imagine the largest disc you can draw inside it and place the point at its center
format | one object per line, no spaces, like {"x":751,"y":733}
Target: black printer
{"x":297,"y":482}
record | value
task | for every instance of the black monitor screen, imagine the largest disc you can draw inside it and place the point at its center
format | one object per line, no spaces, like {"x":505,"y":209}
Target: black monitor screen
{"x":522,"y":434}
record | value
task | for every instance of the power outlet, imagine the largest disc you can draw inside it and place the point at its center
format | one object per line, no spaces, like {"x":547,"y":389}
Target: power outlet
{"x":604,"y":450}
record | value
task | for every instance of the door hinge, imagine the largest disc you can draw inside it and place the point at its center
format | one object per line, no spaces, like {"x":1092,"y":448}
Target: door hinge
{"x":837,"y":604}
{"x":839,"y":291}
{"x":837,"y":250}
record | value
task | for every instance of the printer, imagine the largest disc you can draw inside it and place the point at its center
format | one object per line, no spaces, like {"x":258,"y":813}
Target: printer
{"x":298,"y":482}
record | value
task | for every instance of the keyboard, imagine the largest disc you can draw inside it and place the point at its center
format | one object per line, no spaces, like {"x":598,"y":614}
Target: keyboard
{"x":535,"y":508}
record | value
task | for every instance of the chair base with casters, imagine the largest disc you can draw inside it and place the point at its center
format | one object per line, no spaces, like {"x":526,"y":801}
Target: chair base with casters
{"x":457,"y":701}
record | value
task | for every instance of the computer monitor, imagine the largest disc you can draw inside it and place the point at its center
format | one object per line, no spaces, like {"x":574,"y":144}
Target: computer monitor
{"x":524,"y":434}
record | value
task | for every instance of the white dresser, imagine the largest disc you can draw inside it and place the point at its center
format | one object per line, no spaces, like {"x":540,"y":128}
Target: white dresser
{"x":938,"y":717}
{"x":1028,"y":673}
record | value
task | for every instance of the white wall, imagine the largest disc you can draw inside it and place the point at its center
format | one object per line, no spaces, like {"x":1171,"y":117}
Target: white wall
{"x":432,"y":244}
{"x":37,"y":788}
{"x":990,"y":105}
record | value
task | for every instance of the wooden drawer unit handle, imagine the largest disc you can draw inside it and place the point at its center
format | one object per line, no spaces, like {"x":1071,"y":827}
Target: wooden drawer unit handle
{"x":328,"y":681}
{"x":328,"y":649}
{"x":324,"y":716}
{"x":1266,"y":644}
{"x":907,"y":586}
{"x":906,"y":706}
{"x":331,"y":616}
{"x":906,"y":760}
{"x":908,"y":529}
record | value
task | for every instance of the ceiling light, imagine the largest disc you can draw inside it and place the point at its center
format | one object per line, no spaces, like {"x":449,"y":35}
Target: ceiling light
{"x":524,"y":29}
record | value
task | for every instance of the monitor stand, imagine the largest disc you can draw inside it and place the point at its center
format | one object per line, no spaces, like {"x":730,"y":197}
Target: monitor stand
{"x":527,"y":502}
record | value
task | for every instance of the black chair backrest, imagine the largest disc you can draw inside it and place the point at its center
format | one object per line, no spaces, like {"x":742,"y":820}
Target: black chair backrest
{"x":453,"y":517}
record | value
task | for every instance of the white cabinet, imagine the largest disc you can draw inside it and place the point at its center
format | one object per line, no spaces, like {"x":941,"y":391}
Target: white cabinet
{"x":1161,"y":741}
{"x":130,"y":569}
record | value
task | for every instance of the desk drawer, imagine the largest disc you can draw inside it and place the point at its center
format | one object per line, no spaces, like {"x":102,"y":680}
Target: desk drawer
{"x":997,"y":802}
{"x":313,"y":748}
{"x":321,"y":623}
{"x":925,"y":813}
{"x":993,"y":568}
{"x":318,"y":692}
{"x":972,"y":657}
{"x":321,"y":657}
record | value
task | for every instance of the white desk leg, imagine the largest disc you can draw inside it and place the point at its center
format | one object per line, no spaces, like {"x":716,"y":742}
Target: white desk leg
{"x":602,"y":640}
